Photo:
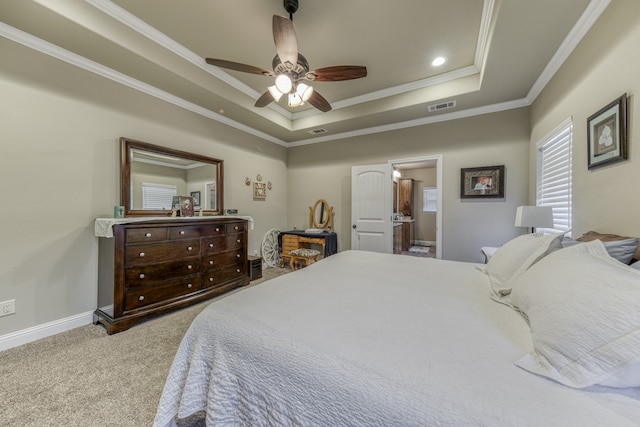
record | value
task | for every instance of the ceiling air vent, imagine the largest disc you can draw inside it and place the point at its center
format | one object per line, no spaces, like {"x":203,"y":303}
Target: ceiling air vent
{"x":441,"y":106}
{"x":317,"y":131}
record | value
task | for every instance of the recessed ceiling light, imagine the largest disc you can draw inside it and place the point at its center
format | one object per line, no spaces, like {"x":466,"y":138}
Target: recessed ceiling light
{"x":438,"y":61}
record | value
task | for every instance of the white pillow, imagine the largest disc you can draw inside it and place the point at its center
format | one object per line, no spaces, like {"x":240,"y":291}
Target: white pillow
{"x":583,"y":308}
{"x":516,"y":256}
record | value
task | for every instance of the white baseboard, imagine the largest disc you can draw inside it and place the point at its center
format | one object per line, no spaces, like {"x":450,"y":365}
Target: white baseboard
{"x":35,"y":333}
{"x":424,"y":242}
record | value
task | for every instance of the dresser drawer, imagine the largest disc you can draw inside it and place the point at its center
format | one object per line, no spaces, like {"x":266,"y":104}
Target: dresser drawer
{"x":160,"y":252}
{"x":221,"y":275}
{"x":141,"y":297}
{"x":212,"y":229}
{"x":223,"y":259}
{"x":184,"y":232}
{"x":234,"y":227}
{"x":211,"y":245}
{"x":149,"y":274}
{"x":141,"y":235}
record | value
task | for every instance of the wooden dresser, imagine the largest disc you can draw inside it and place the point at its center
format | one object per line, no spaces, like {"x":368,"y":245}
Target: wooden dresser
{"x":150,"y":267}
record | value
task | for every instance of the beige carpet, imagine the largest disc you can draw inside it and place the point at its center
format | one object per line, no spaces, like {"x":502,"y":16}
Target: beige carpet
{"x":87,"y":378}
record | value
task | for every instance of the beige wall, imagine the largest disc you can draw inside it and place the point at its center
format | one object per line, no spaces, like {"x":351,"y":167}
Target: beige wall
{"x":324,"y":171}
{"x":605,"y":65}
{"x":59,"y":165}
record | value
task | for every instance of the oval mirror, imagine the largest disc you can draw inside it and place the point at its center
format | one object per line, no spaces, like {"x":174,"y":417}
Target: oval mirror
{"x":321,"y":215}
{"x":152,"y":175}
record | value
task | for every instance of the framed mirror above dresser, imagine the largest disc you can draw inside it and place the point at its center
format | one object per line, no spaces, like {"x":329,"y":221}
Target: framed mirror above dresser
{"x":150,"y":174}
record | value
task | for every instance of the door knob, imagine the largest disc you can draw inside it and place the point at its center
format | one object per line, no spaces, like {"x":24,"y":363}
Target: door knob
{"x":353,"y":226}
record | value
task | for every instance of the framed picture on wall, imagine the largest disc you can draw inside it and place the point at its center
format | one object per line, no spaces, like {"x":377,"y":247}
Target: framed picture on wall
{"x":607,"y":134}
{"x":482,"y":182}
{"x":259,"y":191}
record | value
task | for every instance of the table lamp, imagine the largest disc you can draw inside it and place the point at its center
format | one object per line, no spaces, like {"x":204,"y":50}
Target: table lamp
{"x":534,"y":216}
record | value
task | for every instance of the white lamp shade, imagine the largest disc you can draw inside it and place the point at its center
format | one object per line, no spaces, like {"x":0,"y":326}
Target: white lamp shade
{"x":294,"y":100}
{"x":305,"y":91}
{"x":275,"y":93}
{"x":534,"y":216}
{"x":284,"y":83}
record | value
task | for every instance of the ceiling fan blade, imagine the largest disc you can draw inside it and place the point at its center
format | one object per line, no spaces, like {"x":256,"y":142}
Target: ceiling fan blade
{"x":264,"y":100}
{"x":284,"y":36}
{"x":238,"y":66}
{"x":319,"y":102}
{"x":337,"y":73}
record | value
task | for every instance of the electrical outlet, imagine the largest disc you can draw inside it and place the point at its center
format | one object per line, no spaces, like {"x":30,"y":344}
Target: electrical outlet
{"x":7,"y":307}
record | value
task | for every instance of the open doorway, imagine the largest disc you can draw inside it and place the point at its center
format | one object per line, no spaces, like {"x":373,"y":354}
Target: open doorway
{"x":417,"y":206}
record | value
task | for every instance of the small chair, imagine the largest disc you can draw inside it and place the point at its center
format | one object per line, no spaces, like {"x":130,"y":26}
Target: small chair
{"x":297,"y":256}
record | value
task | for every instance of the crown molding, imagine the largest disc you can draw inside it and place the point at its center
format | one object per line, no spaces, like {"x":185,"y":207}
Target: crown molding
{"x":69,"y":57}
{"x":589,"y":17}
{"x":584,"y":24}
{"x":487,"y":109}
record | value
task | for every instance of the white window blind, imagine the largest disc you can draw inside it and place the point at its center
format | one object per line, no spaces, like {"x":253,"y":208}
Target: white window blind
{"x":158,"y":196}
{"x":429,"y":199}
{"x":554,"y":175}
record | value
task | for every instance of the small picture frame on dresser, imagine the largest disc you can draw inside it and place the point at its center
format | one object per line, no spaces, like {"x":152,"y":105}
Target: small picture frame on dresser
{"x":186,"y":206}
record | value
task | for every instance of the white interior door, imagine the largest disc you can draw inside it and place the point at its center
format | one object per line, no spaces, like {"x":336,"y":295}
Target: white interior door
{"x":371,"y":206}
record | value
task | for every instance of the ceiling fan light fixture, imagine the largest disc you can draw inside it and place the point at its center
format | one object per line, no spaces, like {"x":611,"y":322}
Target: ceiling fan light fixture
{"x":305,"y":91}
{"x":284,"y":83}
{"x":273,"y":90}
{"x":294,"y":99}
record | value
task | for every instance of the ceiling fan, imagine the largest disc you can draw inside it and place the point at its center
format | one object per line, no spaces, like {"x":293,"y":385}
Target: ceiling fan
{"x":291,"y":68}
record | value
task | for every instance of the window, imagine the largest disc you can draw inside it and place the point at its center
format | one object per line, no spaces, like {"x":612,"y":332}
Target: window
{"x":158,"y":196}
{"x":429,"y":199}
{"x":554,"y":175}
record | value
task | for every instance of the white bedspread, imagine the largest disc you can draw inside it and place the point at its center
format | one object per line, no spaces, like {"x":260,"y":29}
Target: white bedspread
{"x":372,"y":339}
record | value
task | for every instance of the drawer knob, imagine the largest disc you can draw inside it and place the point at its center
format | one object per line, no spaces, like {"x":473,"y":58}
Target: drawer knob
{"x":147,"y":235}
{"x":237,"y":255}
{"x":210,"y":262}
{"x":236,"y":227}
{"x":141,"y":298}
{"x":211,"y":279}
{"x":217,"y":229}
{"x":237,"y":270}
{"x":189,"y":285}
{"x":210,"y":245}
{"x":181,"y":232}
{"x":189,"y":267}
{"x":141,"y":254}
{"x":189,"y":248}
{"x":238,"y":241}
{"x":142,"y":275}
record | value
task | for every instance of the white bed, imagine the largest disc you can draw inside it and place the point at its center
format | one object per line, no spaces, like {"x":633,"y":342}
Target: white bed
{"x":368,"y":339}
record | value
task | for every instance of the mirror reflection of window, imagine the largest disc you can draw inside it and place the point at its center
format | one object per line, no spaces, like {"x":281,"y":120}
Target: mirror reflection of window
{"x":210,"y":203}
{"x":158,"y":196}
